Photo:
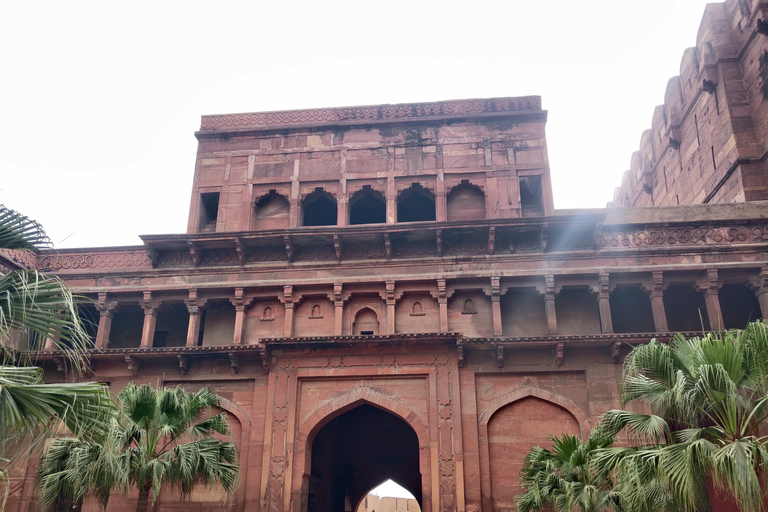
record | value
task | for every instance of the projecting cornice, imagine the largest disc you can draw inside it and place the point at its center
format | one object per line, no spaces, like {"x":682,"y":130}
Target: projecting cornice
{"x":349,"y":116}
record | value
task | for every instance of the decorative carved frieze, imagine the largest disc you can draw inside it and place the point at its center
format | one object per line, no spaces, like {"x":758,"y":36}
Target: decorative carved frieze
{"x":353,"y":115}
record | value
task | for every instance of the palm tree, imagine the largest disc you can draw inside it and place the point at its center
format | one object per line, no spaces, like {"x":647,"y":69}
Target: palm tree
{"x":158,"y":438}
{"x":707,"y":398}
{"x":563,"y":478}
{"x":35,"y":307}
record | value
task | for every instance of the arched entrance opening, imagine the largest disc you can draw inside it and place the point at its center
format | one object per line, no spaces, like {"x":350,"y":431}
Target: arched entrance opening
{"x":355,"y":452}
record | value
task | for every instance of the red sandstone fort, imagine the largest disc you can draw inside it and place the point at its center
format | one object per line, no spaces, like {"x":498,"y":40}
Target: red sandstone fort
{"x":388,"y":291}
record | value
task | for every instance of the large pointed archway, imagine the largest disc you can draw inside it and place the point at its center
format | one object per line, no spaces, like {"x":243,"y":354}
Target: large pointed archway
{"x":358,"y":450}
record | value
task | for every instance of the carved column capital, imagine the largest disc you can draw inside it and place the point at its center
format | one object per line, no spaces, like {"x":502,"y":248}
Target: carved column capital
{"x":149,"y":304}
{"x":710,"y":284}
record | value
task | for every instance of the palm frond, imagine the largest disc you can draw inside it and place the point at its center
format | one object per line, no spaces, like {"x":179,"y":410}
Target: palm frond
{"x":20,"y":232}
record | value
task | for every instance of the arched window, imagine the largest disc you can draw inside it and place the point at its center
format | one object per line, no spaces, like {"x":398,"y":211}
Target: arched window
{"x":469,"y":307}
{"x":319,"y":209}
{"x":271,"y":211}
{"x":415,"y":204}
{"x":366,"y":322}
{"x":465,"y":202}
{"x":367,"y":206}
{"x":267,"y":315}
{"x":416,"y":309}
{"x":316,"y":312}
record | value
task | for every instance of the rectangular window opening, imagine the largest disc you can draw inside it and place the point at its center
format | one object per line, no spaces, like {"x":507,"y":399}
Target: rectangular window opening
{"x":209,"y":211}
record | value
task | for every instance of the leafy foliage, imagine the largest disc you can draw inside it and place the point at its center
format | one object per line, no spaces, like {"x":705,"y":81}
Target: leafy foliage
{"x":564,"y":478}
{"x":158,"y":438}
{"x":707,"y":398}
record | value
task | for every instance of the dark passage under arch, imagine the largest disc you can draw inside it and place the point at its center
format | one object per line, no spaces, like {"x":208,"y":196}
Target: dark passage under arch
{"x":355,"y":452}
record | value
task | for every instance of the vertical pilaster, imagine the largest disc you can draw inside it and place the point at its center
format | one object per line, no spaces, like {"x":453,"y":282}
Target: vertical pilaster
{"x":338,"y":308}
{"x":195,"y":309}
{"x":149,"y":305}
{"x":106,"y":314}
{"x":442,"y":304}
{"x":240,"y":307}
{"x":759,"y":285}
{"x":288,"y":298}
{"x":604,"y":302}
{"x":441,"y":213}
{"x":655,"y":290}
{"x":496,"y":306}
{"x":549,"y":303}
{"x":391,"y":302}
{"x":391,"y":189}
{"x":709,"y":287}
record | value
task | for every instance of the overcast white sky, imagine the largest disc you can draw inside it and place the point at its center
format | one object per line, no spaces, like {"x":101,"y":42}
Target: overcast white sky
{"x":100,"y":100}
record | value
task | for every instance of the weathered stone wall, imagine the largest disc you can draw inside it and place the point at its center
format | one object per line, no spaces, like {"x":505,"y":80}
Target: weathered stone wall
{"x":708,"y":141}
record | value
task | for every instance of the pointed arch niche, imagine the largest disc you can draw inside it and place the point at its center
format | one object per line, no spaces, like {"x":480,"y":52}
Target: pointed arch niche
{"x":367,"y":206}
{"x":415,"y":204}
{"x":271,"y":211}
{"x":366,"y":322}
{"x":319,"y":208}
{"x":465,"y":202}
{"x":509,"y":427}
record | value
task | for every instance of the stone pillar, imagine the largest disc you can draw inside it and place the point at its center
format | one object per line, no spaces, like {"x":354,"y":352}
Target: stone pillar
{"x":341,"y":206}
{"x":106,"y":313}
{"x":240,"y":307}
{"x":759,"y":285}
{"x":149,"y":306}
{"x":709,"y":287}
{"x":195,"y":308}
{"x":391,"y":195}
{"x":442,"y":304}
{"x":549,"y":303}
{"x":288,"y":303}
{"x":604,"y":303}
{"x":441,"y":213}
{"x":655,"y":290}
{"x":391,"y":302}
{"x":496,"y":306}
{"x":338,"y":308}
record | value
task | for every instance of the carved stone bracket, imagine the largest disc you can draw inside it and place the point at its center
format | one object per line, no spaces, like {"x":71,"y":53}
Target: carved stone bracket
{"x":194,"y":253}
{"x":388,"y":245}
{"x":288,"y":247}
{"x":559,"y":353}
{"x":500,"y":356}
{"x":153,"y":255}
{"x":265,"y":360}
{"x":61,"y":364}
{"x":710,"y":284}
{"x":491,"y":239}
{"x":337,"y":246}
{"x":616,"y":351}
{"x":240,"y":250}
{"x":235,"y":361}
{"x":183,"y":364}
{"x":134,"y":365}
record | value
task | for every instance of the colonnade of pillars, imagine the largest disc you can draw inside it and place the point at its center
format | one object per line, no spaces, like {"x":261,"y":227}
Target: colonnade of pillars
{"x":708,"y":286}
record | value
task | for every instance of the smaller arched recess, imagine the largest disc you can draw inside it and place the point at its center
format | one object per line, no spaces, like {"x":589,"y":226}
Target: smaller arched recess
{"x":271,"y":211}
{"x":465,"y":202}
{"x":366,"y":322}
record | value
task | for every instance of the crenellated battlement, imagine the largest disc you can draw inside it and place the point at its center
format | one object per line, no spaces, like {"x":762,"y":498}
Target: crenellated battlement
{"x":707,"y":142}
